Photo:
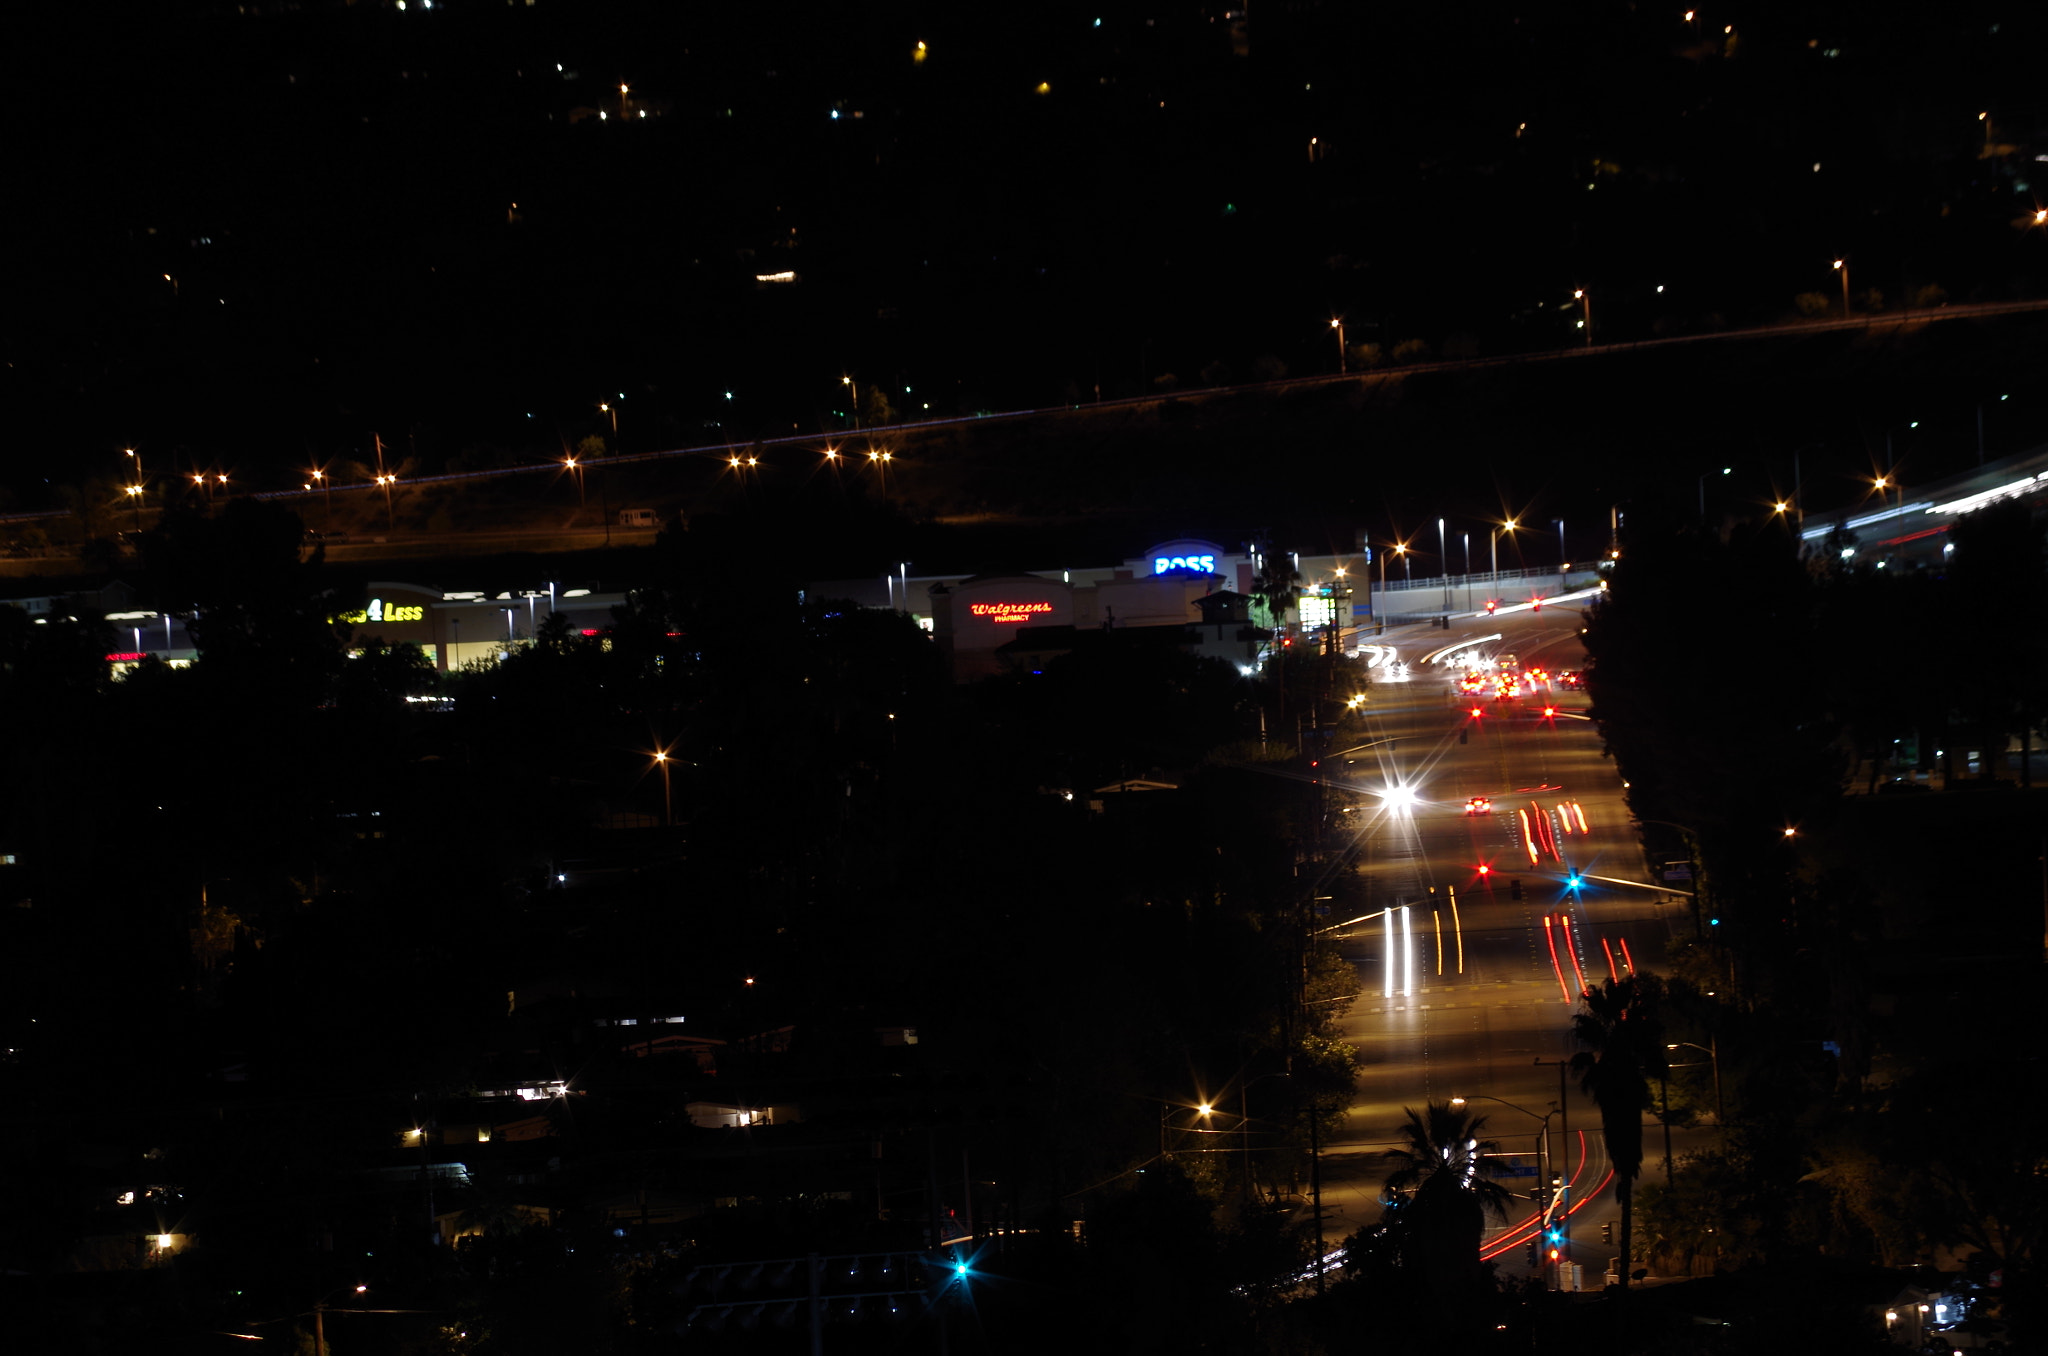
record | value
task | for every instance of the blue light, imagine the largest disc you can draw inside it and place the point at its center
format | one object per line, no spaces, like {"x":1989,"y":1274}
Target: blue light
{"x":959,"y":1268}
{"x":1713,"y":922}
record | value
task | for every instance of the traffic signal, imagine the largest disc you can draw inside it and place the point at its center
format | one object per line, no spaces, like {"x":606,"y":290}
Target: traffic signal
{"x":1515,"y":888}
{"x":1607,"y":1231}
{"x":1535,"y":1253}
{"x":1573,"y":882}
{"x":1485,"y":870}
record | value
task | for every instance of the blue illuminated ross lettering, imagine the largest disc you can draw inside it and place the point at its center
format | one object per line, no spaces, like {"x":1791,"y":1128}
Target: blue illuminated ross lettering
{"x":1199,"y":564}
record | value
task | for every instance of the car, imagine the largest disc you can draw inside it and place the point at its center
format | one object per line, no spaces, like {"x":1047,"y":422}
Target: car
{"x":1572,"y":678}
{"x":1478,"y":805}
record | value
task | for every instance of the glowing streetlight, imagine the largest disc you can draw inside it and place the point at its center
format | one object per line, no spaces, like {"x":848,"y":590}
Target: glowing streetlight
{"x":1343,"y":362}
{"x":853,"y":393}
{"x":1842,"y":267}
{"x":1586,"y":302}
{"x":668,"y":805}
{"x":1493,"y":551}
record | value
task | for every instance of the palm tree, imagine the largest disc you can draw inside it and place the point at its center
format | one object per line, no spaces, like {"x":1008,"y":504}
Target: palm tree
{"x":1442,"y":1192}
{"x":1622,"y":1050}
{"x":1277,"y":585}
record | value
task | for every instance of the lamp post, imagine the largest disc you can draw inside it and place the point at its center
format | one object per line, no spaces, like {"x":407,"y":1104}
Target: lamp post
{"x":1201,"y":1109}
{"x":1563,"y":564}
{"x":1468,"y":569}
{"x":1713,"y":1053}
{"x":853,"y":392}
{"x":1343,"y":363}
{"x":1564,"y":1135}
{"x":1493,"y":552}
{"x":1586,"y":302}
{"x":319,"y":1316}
{"x":134,"y":493}
{"x":1443,"y":554}
{"x":1725,"y":470}
{"x":1542,"y":1136}
{"x":1842,"y":267}
{"x":1379,"y":615}
{"x":668,"y":805}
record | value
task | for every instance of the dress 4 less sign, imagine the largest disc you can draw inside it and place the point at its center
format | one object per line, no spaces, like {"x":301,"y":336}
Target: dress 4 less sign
{"x":380,"y":611}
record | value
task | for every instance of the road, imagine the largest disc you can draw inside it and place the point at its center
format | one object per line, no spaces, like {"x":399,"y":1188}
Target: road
{"x":1476,"y":998}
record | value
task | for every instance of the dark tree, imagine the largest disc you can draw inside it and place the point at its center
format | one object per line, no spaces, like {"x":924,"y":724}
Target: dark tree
{"x":1624,"y":1049}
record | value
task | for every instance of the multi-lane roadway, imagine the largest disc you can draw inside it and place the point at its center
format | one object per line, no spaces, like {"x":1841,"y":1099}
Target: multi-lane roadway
{"x":1469,"y":992}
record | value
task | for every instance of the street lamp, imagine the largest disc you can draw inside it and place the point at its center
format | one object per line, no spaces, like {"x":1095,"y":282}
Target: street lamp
{"x":1443,"y":554}
{"x":1563,"y":565}
{"x":1713,"y":1053}
{"x":1579,"y":295}
{"x":1493,"y":550}
{"x":1542,"y":1136}
{"x":853,"y":392}
{"x":668,"y":805}
{"x":1842,"y":267}
{"x":1201,"y":1109}
{"x":1725,"y":470}
{"x":326,"y":491}
{"x":1343,"y":363}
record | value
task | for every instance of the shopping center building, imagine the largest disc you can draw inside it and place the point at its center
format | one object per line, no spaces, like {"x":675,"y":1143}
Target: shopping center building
{"x":993,"y":623}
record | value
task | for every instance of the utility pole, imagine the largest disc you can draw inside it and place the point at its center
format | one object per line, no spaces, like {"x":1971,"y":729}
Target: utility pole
{"x":1564,"y":1175}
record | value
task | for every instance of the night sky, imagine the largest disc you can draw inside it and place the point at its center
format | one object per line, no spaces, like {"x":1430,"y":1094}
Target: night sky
{"x":1052,"y":201}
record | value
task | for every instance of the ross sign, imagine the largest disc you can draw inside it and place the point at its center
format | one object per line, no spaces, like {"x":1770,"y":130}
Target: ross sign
{"x":1204,"y":564}
{"x":126,"y":657}
{"x":1002,"y":613}
{"x":378,"y":611}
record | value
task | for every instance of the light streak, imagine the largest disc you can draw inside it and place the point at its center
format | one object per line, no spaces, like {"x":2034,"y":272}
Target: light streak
{"x":1580,"y":815}
{"x":1562,"y":987}
{"x":1407,"y":956}
{"x":1632,"y":884}
{"x":1457,"y":929}
{"x":1626,"y":959}
{"x":1564,"y":925}
{"x":1971,"y":503}
{"x":1564,"y":817}
{"x":1560,"y":598}
{"x":1435,"y":655}
{"x":1388,"y":992}
{"x":1530,"y":1227}
{"x":1528,"y":838}
{"x":1438,"y":918}
{"x":1612,"y":972}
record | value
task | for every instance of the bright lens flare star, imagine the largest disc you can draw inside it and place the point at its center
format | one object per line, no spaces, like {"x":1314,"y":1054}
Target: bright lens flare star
{"x":1399,"y":797}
